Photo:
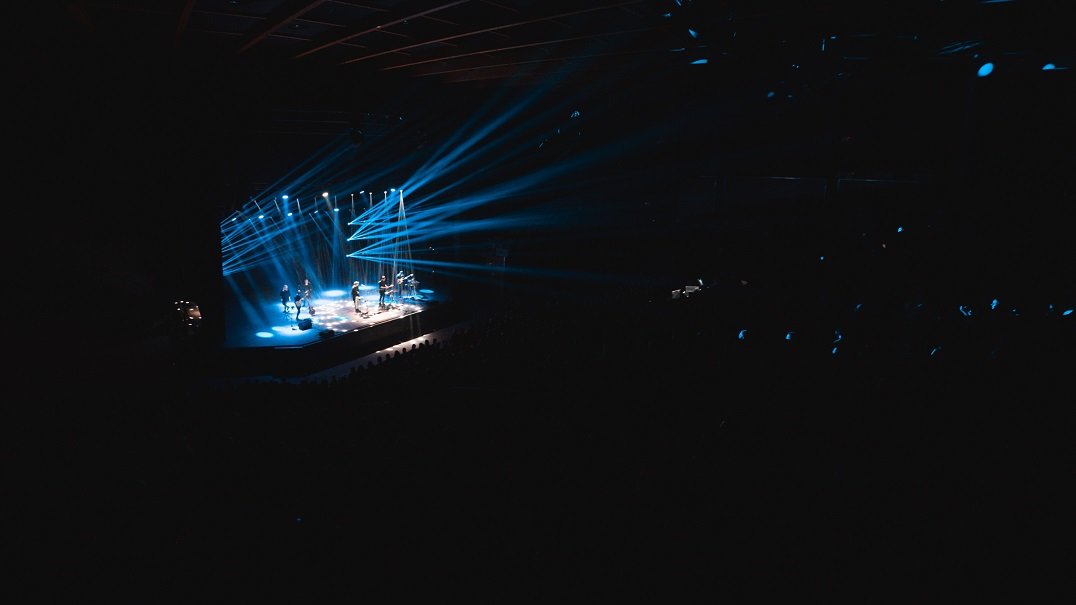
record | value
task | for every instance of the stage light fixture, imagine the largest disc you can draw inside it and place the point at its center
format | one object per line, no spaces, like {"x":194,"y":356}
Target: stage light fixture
{"x":985,"y":69}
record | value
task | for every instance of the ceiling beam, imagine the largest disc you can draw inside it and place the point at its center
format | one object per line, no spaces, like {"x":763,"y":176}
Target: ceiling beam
{"x":488,"y":30}
{"x":286,"y":15}
{"x":378,"y":27}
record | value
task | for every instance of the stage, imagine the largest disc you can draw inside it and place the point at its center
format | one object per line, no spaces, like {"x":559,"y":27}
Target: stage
{"x":273,"y":341}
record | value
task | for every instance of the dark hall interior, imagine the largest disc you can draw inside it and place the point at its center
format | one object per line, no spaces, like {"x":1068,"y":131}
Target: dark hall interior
{"x":751,"y":300}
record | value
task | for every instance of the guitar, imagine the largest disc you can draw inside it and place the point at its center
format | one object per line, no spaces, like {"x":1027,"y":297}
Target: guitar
{"x":401,"y":280}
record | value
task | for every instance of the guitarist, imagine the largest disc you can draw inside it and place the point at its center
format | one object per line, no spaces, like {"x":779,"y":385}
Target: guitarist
{"x":383,"y":288}
{"x":400,"y":279}
{"x":298,"y":301}
{"x":307,"y":290}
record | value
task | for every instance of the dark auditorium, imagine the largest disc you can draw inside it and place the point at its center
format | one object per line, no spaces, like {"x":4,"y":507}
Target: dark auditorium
{"x":535,"y":301}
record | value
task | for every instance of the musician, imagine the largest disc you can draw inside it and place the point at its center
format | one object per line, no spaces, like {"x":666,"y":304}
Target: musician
{"x":398,"y":292}
{"x":308,"y":296}
{"x":298,"y":301}
{"x":383,"y":288}
{"x":355,"y":297}
{"x":285,"y":297}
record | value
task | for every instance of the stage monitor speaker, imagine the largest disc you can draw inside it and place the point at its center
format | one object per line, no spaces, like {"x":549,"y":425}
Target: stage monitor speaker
{"x":305,"y":323}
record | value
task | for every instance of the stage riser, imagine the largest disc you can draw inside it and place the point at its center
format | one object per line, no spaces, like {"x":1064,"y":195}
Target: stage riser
{"x":333,"y":348}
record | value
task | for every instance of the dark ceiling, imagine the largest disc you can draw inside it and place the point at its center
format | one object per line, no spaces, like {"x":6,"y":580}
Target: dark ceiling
{"x":734,"y":78}
{"x":382,"y":42}
{"x":389,"y":40}
{"x":528,"y":40}
{"x":318,"y":67}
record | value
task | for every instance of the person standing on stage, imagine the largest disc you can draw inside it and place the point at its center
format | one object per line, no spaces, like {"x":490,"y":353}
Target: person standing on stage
{"x":285,"y":297}
{"x":355,"y":298}
{"x":298,"y":301}
{"x":382,"y":290}
{"x":308,"y":295}
{"x":397,"y":294}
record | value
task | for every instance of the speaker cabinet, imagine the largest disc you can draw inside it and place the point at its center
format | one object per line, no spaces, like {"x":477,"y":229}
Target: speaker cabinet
{"x":305,"y":323}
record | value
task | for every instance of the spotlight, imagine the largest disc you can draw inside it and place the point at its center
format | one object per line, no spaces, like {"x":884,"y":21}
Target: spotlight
{"x":985,"y":69}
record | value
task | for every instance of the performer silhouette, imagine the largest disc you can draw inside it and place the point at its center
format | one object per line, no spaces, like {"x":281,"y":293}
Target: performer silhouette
{"x":298,"y":302}
{"x":308,"y":295}
{"x":383,"y":289}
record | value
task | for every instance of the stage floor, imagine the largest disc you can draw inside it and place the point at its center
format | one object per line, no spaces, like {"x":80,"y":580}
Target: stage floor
{"x":269,"y":341}
{"x":269,"y":325}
